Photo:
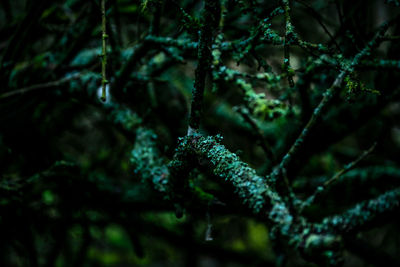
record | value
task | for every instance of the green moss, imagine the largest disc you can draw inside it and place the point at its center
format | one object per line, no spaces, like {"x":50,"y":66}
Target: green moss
{"x":364,"y":212}
{"x":147,"y":161}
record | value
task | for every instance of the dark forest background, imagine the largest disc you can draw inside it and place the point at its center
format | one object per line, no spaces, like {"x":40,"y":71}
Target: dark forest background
{"x":76,"y":188}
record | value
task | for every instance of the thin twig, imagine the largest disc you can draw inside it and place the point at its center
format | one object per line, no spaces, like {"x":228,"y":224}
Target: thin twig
{"x":286,"y":45}
{"x":263,"y":142}
{"x":319,"y":20}
{"x":104,"y":80}
{"x":349,"y":166}
{"x":328,"y":96}
{"x":336,"y":177}
{"x":40,"y":86}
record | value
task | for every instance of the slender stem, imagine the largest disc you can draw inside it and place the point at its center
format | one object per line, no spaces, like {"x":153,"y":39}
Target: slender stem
{"x":317,"y":16}
{"x":40,"y":86}
{"x":350,"y":166}
{"x":286,"y":45}
{"x":104,"y":80}
{"x":327,"y":183}
{"x":257,"y":131}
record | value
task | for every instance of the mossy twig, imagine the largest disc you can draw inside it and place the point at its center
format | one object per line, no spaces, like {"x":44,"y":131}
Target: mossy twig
{"x":104,"y":80}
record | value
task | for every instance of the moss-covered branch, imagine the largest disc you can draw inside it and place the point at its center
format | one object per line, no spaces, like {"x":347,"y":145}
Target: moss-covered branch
{"x":210,"y":20}
{"x":289,"y":33}
{"x":329,"y":95}
{"x":148,"y":161}
{"x":257,"y":192}
{"x":364,"y":213}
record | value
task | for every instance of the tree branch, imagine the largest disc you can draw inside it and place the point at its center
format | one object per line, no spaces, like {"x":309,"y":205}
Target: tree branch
{"x":211,"y":15}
